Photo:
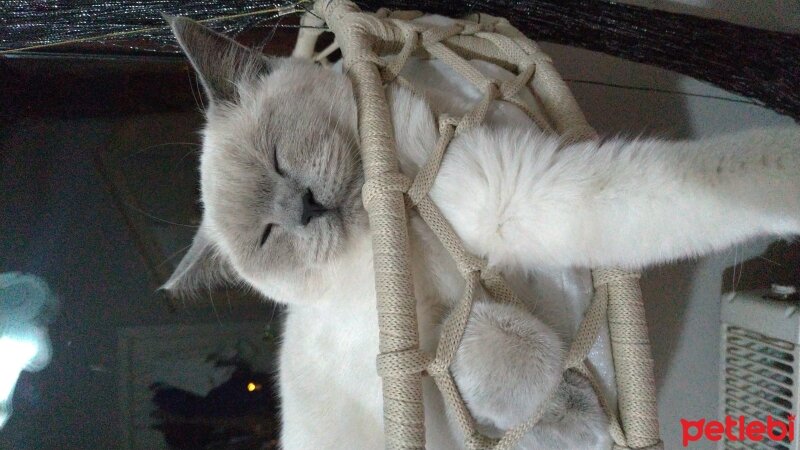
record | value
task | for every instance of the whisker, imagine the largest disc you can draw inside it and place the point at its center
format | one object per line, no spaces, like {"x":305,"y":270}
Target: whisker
{"x":173,"y":255}
{"x":271,"y":34}
{"x":197,"y":103}
{"x":272,"y":316}
{"x":666,"y":91}
{"x":158,"y":219}
{"x":302,"y":26}
{"x":737,"y":277}
{"x":213,"y":305}
{"x":164,"y":144}
{"x":733,"y":273}
{"x":305,"y":8}
{"x":178,"y":163}
{"x":771,"y":261}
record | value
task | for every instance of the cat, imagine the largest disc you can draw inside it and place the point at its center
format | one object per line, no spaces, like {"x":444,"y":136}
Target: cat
{"x":281,"y":186}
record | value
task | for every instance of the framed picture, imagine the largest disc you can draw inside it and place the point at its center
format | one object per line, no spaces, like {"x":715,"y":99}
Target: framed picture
{"x":185,"y":382}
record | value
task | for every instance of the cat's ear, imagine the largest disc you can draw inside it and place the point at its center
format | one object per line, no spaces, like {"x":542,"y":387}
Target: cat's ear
{"x":218,"y":60}
{"x":202,"y":268}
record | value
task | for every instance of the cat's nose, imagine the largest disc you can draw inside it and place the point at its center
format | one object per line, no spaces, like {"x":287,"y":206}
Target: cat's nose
{"x":311,"y":208}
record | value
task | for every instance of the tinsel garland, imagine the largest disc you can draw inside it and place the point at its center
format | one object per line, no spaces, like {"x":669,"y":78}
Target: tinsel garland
{"x":135,"y":25}
{"x":759,"y":64}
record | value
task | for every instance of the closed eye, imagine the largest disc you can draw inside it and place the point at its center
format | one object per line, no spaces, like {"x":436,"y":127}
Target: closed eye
{"x":275,"y":162}
{"x":266,"y":233}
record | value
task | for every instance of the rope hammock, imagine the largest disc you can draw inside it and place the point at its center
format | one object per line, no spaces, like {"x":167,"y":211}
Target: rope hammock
{"x":375,"y":47}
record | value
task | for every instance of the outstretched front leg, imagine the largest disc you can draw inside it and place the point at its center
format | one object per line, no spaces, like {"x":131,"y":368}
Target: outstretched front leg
{"x":518,"y":200}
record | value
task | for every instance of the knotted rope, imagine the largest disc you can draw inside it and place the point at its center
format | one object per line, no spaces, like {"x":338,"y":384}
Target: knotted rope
{"x":363,"y":39}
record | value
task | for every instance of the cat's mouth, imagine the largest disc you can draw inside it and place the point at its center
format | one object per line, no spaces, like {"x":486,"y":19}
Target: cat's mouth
{"x":329,"y":234}
{"x":336,"y":221}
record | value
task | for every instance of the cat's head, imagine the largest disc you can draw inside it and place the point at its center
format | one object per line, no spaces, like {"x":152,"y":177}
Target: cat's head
{"x":280,"y":172}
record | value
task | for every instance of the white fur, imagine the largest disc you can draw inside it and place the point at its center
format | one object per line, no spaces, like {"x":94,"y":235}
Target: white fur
{"x":534,"y":210}
{"x":519,"y":201}
{"x":619,"y":203}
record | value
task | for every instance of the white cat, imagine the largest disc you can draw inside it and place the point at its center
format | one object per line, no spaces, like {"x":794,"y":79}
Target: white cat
{"x":281,"y":183}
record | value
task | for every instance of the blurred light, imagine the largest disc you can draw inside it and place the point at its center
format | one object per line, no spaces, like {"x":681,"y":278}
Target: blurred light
{"x":15,"y":354}
{"x":251,"y":387}
{"x":27,"y":306}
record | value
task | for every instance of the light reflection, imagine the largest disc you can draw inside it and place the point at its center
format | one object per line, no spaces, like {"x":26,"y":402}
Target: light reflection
{"x":26,"y":308}
{"x":16,"y":354}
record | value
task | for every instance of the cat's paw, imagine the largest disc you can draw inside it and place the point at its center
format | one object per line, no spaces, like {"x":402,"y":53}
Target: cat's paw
{"x":507,"y":363}
{"x":573,"y":420}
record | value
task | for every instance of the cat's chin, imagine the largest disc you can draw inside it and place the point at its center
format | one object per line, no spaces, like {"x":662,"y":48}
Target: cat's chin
{"x":347,"y":266}
{"x":332,"y":236}
{"x":329,"y":239}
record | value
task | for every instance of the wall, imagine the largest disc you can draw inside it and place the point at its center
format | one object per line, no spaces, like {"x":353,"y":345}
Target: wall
{"x":58,"y":221}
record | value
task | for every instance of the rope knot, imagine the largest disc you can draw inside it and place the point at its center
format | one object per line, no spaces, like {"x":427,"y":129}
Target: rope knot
{"x":468,"y":263}
{"x":470,"y":28}
{"x":387,"y":182}
{"x":367,"y":56}
{"x":437,"y":34}
{"x":492,"y":90}
{"x":437,"y":368}
{"x":610,"y":276}
{"x":447,"y":121}
{"x":401,"y":363}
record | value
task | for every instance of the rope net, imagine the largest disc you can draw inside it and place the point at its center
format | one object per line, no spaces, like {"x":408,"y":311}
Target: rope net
{"x":375,"y":47}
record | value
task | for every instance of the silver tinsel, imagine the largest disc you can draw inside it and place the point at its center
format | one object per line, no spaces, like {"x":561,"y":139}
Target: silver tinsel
{"x":133,"y":24}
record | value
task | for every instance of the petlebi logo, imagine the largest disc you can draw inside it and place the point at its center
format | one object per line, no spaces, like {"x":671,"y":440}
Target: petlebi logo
{"x":738,"y":429}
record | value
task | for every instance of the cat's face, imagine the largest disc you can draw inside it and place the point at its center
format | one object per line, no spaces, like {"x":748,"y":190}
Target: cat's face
{"x":280,"y":171}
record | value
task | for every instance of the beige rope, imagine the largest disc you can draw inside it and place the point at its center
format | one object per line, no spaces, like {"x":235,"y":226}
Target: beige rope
{"x":404,"y":422}
{"x":633,"y":363}
{"x":363,"y":39}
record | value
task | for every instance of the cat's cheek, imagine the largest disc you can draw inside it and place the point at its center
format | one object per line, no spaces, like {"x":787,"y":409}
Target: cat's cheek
{"x":253,"y":273}
{"x":289,"y":289}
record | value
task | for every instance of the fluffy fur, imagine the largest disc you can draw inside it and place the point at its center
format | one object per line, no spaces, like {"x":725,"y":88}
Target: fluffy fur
{"x":510,"y":193}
